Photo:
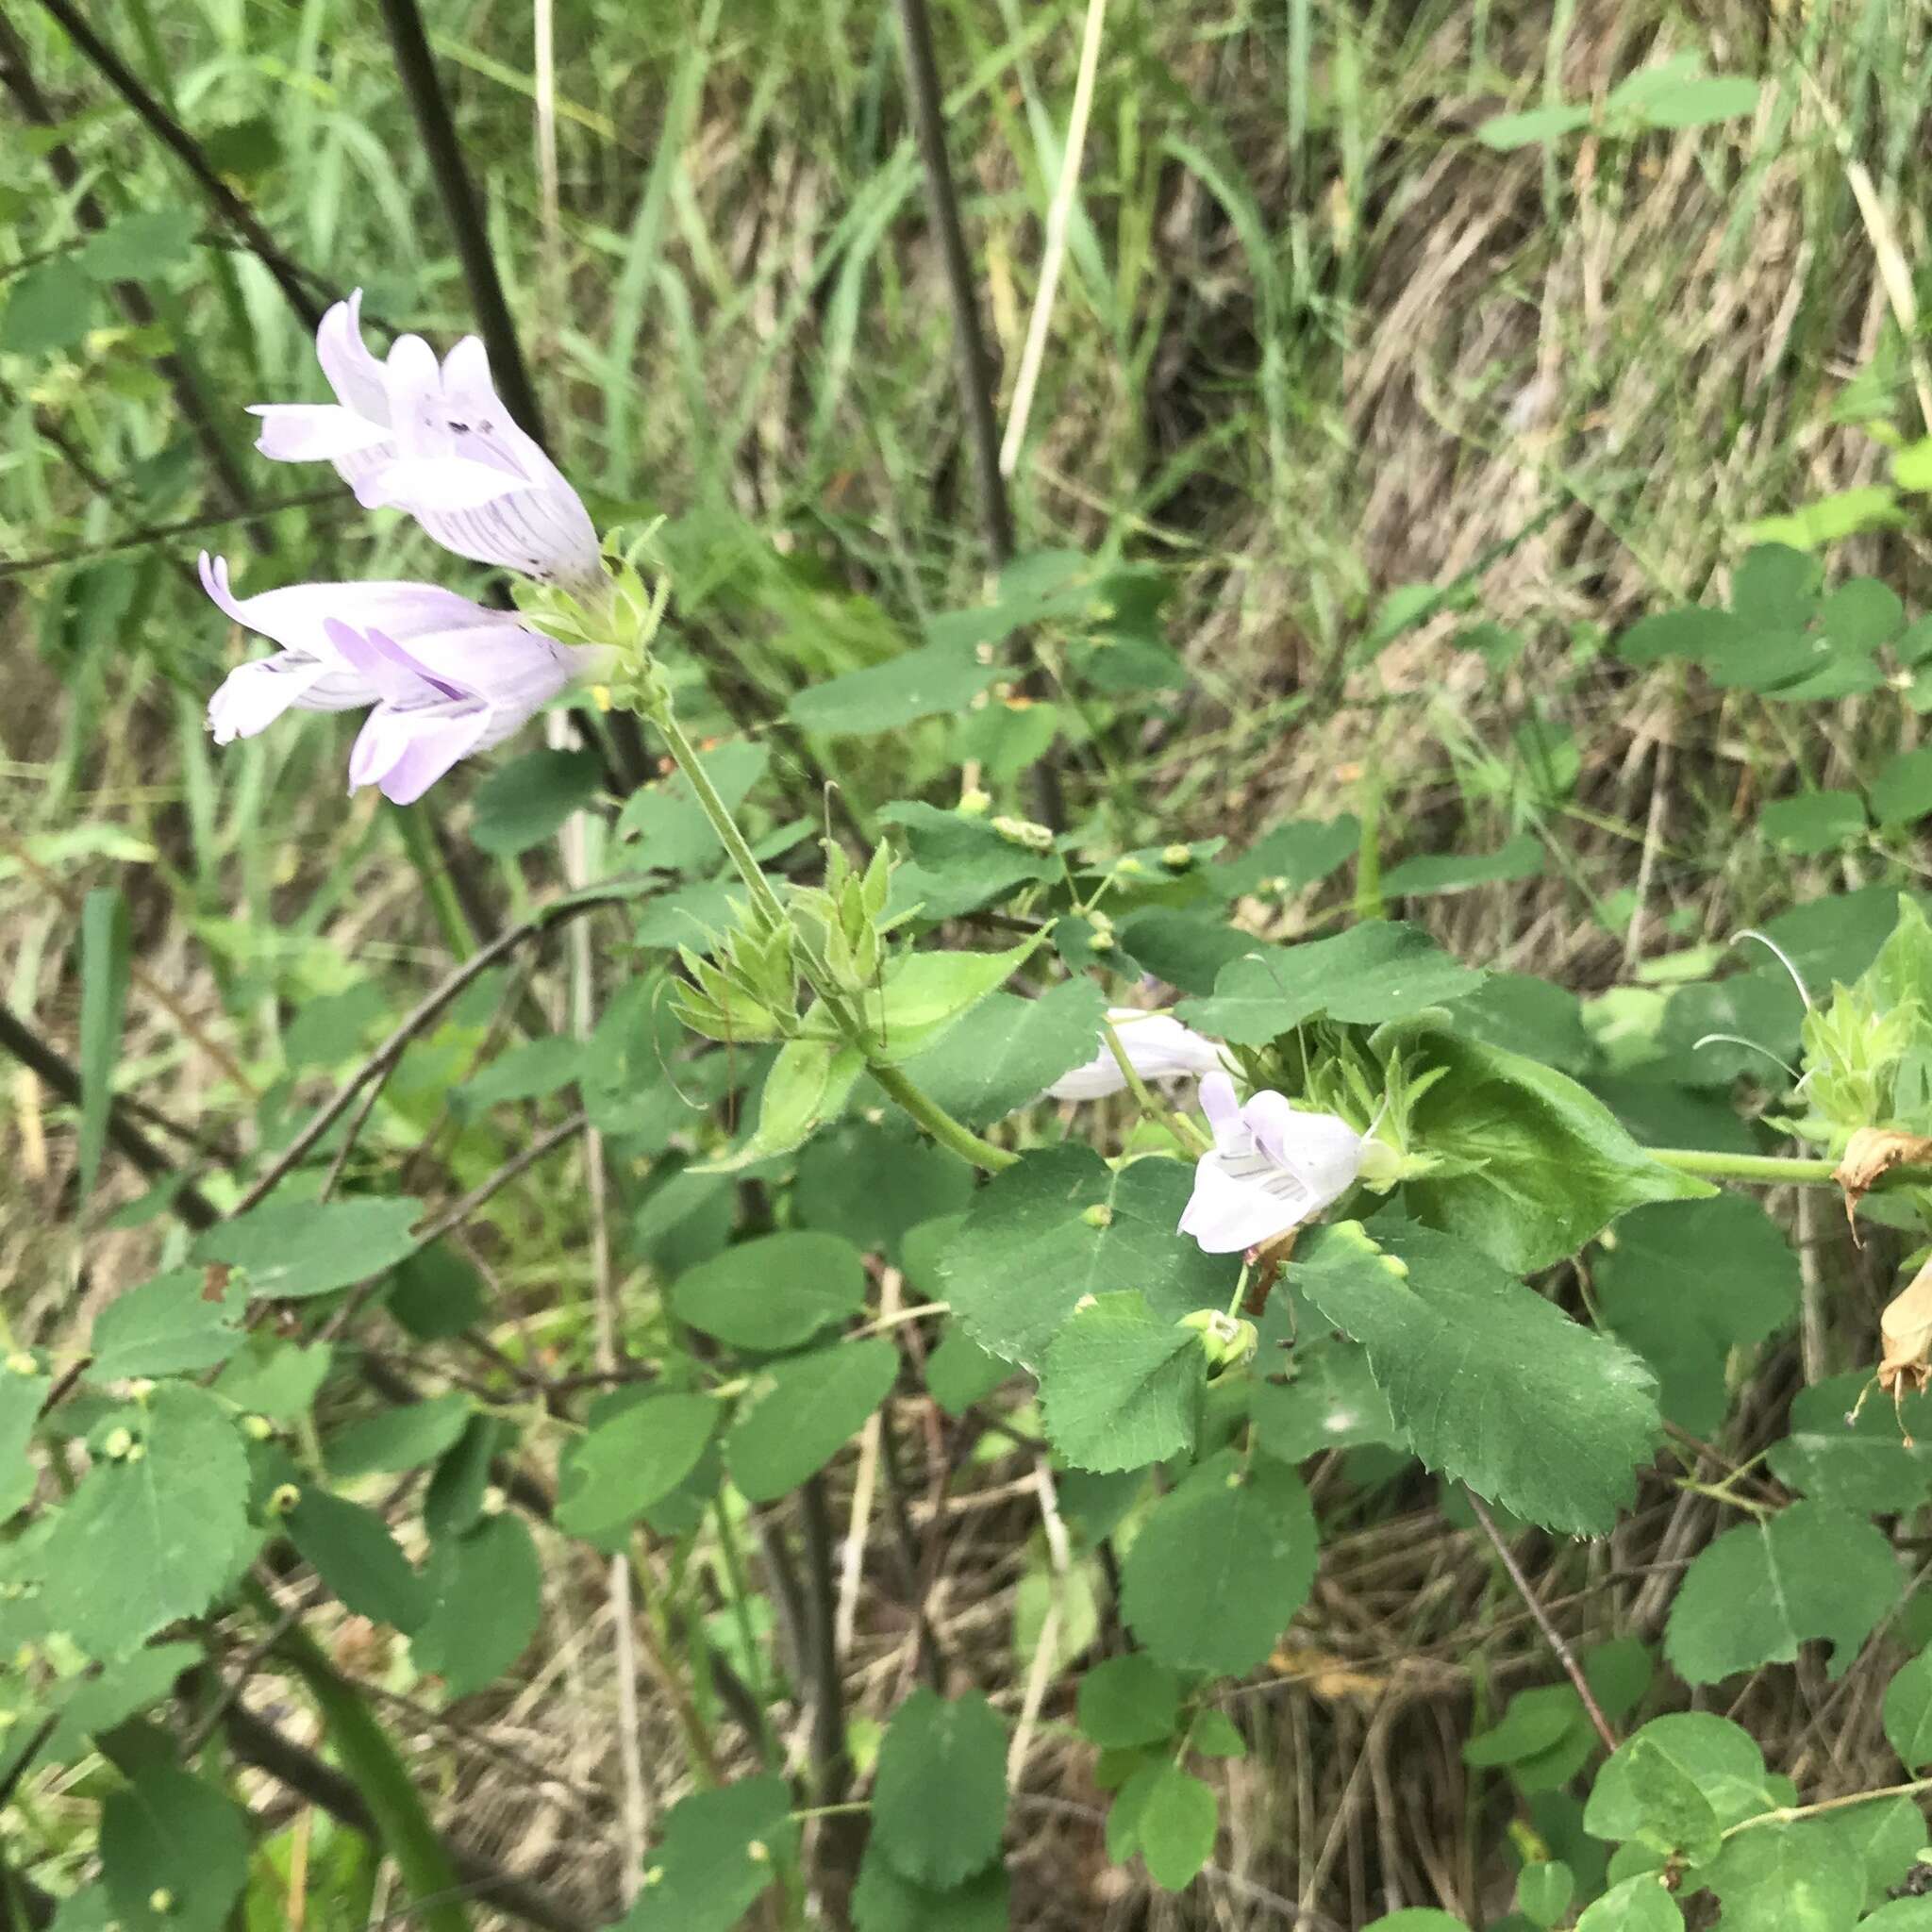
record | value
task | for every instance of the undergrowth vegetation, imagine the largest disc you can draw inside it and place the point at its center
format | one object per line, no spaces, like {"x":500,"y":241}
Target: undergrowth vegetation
{"x":1107,"y":1100}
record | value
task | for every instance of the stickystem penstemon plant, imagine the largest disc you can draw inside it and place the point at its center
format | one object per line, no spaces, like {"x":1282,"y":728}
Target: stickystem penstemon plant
{"x":1308,"y":1232}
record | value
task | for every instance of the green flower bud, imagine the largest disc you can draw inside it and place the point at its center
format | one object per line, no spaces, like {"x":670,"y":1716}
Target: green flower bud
{"x":137,"y":1452}
{"x":285,"y":1498}
{"x":1024,"y":832}
{"x":1098,"y":1215}
{"x":258,"y":1428}
{"x":161,"y":1900}
{"x":1177,"y":858}
{"x":141,"y":1389}
{"x":116,"y":1443}
{"x":975,"y":804}
{"x":21,"y":1363}
{"x":1100,"y":941}
{"x":1225,"y":1341}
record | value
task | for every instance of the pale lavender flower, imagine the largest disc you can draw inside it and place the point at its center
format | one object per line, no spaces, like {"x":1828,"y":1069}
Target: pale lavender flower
{"x":438,"y":443}
{"x":1157,"y":1047}
{"x":1270,"y":1169}
{"x":446,"y":677}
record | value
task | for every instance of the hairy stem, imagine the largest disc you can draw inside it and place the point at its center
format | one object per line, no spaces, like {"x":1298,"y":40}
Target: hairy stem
{"x":1775,"y":1169}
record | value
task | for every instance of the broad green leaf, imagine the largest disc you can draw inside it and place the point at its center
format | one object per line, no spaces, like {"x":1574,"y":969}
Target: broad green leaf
{"x":876,"y":1182}
{"x":1526,"y":1015}
{"x":1829,"y":519}
{"x":1506,"y":132}
{"x":1289,"y":857}
{"x":486,"y":1594}
{"x":1543,"y":1892}
{"x":1523,"y":857}
{"x":960,"y":860}
{"x":296,"y":1248}
{"x":1186,"y":949}
{"x":804,"y":1411}
{"x":1908,"y":1712}
{"x":167,"y":1526}
{"x":166,"y":1327}
{"x":1675,"y":1818}
{"x":1901,"y":792}
{"x":1551,"y":1165}
{"x":1762,"y":1589}
{"x":1815,"y":821}
{"x":1008,"y":1050}
{"x":173,"y":1853}
{"x":1331,"y":1402}
{"x":1639,"y":1904}
{"x":1531,"y":1723}
{"x":135,"y":246}
{"x":718,"y":1851}
{"x":926,"y":994}
{"x":525,"y":802}
{"x":960,"y":1372}
{"x":403,"y":1437}
{"x":1416,"y":1918}
{"x":97,"y":1704}
{"x":1174,"y":1822}
{"x":1864,"y":1465}
{"x":1695,"y":103}
{"x":1220,"y":1566}
{"x":1372,"y":973}
{"x":939,"y":1802}
{"x":632,"y":1459}
{"x":278,"y":1380}
{"x":533,"y":1071}
{"x":1886,"y":1835}
{"x":1495,"y":1386}
{"x":23,"y":1391}
{"x":1119,"y":1387}
{"x":673,"y":831}
{"x":1684,"y":1283}
{"x":883,"y":1901}
{"x":1060,"y":1224}
{"x":1774,"y":586}
{"x":1788,"y":1877}
{"x":459,"y":1488}
{"x":351,"y":1549}
{"x":1693,"y":632}
{"x":775,"y":1292}
{"x":1129,"y":1700}
{"x":49,"y":307}
{"x":104,"y":967}
{"x":1213,"y":1734}
{"x":1901,"y":1915}
{"x":884,"y":697}
{"x":807,"y":1083}
{"x":1552,"y":1711}
{"x":436,"y":1292}
{"x":1718,"y":1757}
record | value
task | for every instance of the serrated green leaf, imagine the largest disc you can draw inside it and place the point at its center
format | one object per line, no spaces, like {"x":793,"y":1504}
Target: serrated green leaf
{"x":296,"y":1248}
{"x":718,"y":1851}
{"x":351,"y":1549}
{"x":632,"y":1459}
{"x":1548,"y":1164}
{"x":1762,"y":1589}
{"x":1129,"y":1700}
{"x":1372,"y":973}
{"x":960,"y":861}
{"x":97,"y":1704}
{"x":1119,"y":1387}
{"x":876,"y":1182}
{"x":166,"y":1327}
{"x":1220,"y":1566}
{"x":940,"y":1797}
{"x":1331,"y":1403}
{"x":1007,"y":1051}
{"x":168,"y":1526}
{"x":804,"y":1412}
{"x":1863,"y":1464}
{"x":1493,"y":1384}
{"x":486,"y":1598}
{"x":525,"y":802}
{"x":173,"y":1853}
{"x":775,"y":1292}
{"x":1059,"y":1224}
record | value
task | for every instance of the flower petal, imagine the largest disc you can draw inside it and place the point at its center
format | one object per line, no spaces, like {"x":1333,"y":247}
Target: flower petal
{"x":253,"y":697}
{"x":295,"y":615}
{"x":405,"y":752}
{"x":1326,"y":1153}
{"x":427,"y":485}
{"x":1223,"y":1112}
{"x":353,"y":373}
{"x":314,"y":432}
{"x":1241,"y":1201}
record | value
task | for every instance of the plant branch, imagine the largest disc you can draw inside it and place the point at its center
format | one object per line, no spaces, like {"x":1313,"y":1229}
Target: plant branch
{"x":1552,"y":1635}
{"x":288,"y":277}
{"x":1774,"y":1169}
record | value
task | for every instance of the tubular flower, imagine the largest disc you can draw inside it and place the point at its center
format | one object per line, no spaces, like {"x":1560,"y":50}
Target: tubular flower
{"x":1157,"y":1047}
{"x":1271,"y":1168}
{"x":438,"y":443}
{"x":444,"y":676}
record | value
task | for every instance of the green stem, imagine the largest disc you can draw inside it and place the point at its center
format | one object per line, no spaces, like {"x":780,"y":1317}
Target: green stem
{"x":926,"y":1111}
{"x":1771,"y":1167}
{"x":1193,"y":1140}
{"x":1790,"y":1814}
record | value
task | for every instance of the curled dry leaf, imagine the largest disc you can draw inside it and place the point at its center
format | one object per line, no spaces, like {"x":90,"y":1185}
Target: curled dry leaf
{"x":1904,"y":1335}
{"x":1265,"y":1260}
{"x":1870,"y":1155}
